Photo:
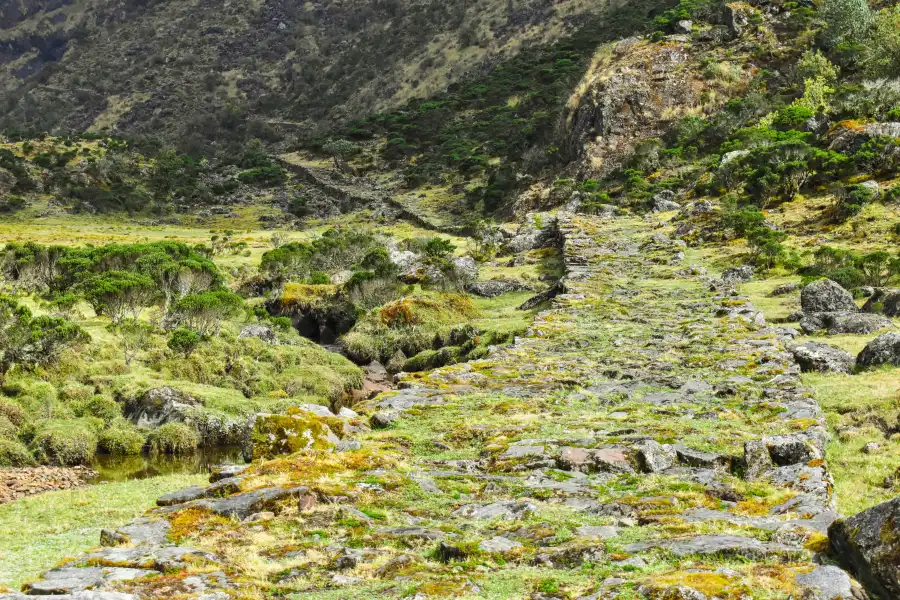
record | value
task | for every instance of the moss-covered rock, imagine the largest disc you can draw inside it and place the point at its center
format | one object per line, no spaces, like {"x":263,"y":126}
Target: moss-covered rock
{"x":269,"y":435}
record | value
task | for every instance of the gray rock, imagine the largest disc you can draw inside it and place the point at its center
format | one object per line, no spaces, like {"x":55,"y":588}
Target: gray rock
{"x":262,"y":332}
{"x":506,"y":510}
{"x":826,"y":296}
{"x":785,"y":289}
{"x":883,"y":350}
{"x":828,"y":582}
{"x":790,"y":449}
{"x":653,"y":457}
{"x":225,"y":472}
{"x":884,"y":301}
{"x":66,"y":580}
{"x":723,"y":545}
{"x":498,"y":545}
{"x":664,"y":201}
{"x":684,"y":26}
{"x":846,"y":322}
{"x":242,"y":506}
{"x":822,"y":358}
{"x":495,"y":287}
{"x":741,"y":274}
{"x":868,"y":545}
{"x":382,"y":420}
{"x":158,"y":406}
{"x":538,"y":230}
{"x":599,"y":532}
{"x":181,"y":496}
{"x":757,"y":459}
{"x":700,"y":459}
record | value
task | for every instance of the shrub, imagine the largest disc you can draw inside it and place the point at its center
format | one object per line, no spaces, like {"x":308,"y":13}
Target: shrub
{"x":173,"y":438}
{"x":270,"y":176}
{"x":122,"y":439}
{"x":65,"y":442}
{"x":12,"y":411}
{"x":852,"y":200}
{"x":8,"y":431}
{"x":812,"y":65}
{"x":184,"y":341}
{"x":846,"y":20}
{"x":101,"y":407}
{"x":14,"y":453}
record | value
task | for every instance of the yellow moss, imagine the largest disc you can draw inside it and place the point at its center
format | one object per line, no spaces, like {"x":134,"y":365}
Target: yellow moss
{"x":711,"y":584}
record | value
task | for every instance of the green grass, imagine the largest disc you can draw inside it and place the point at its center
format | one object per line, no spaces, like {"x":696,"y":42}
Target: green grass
{"x":38,"y":532}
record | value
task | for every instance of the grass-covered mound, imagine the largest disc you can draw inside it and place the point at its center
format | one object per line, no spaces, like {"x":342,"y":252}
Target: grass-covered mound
{"x":409,"y":325}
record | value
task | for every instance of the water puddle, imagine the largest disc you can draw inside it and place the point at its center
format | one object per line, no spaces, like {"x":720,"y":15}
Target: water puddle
{"x":143,"y":466}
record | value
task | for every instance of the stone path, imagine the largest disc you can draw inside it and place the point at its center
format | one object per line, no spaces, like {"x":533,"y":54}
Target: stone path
{"x":649,"y":438}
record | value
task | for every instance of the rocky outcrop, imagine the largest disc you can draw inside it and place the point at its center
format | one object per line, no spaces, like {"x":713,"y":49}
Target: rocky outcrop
{"x":826,"y":296}
{"x":269,"y":436}
{"x":838,"y":323}
{"x":495,"y":287}
{"x":868,"y":544}
{"x":822,"y":358}
{"x":885,"y":301}
{"x":883,"y":350}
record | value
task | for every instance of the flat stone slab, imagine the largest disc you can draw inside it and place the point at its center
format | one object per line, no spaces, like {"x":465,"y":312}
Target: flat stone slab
{"x":157,"y":559}
{"x":181,"y":496}
{"x":828,"y":583}
{"x":506,"y":510}
{"x":708,"y":545}
{"x":226,"y":471}
{"x":498,"y":545}
{"x":597,"y":532}
{"x":241,"y":506}
{"x":414,"y":532}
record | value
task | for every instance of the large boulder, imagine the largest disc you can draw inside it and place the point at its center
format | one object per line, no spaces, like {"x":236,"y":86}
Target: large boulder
{"x":826,"y":296}
{"x":822,"y":358}
{"x":838,"y":323}
{"x":868,"y":544}
{"x":740,"y":274}
{"x":158,"y":406}
{"x":883,"y":350}
{"x":270,"y":435}
{"x":262,"y":332}
{"x":885,"y":301}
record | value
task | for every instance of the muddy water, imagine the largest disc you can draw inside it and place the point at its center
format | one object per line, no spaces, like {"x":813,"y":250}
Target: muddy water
{"x":143,"y":466}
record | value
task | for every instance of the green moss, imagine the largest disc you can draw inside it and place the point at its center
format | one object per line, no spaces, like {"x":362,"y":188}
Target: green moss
{"x":173,"y":438}
{"x":65,"y":442}
{"x":275,"y":435}
{"x":14,"y":453}
{"x":121,"y":439}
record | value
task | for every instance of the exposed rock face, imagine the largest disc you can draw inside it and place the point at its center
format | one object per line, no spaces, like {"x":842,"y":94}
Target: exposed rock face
{"x":538,"y":230}
{"x":822,"y":358}
{"x":826,"y":296}
{"x":869,"y":545}
{"x":158,"y":406}
{"x":665,"y":201}
{"x":883,"y":350}
{"x":625,"y":106}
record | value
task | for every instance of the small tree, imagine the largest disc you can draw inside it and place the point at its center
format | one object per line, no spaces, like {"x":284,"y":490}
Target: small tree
{"x":120,"y":293}
{"x":846,"y":20}
{"x":340,"y":150}
{"x":205,"y":312}
{"x":133,"y":336}
{"x":30,"y":342}
{"x":184,"y":341}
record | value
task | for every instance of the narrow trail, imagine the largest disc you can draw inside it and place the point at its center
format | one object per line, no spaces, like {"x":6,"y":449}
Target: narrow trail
{"x":648,"y":438}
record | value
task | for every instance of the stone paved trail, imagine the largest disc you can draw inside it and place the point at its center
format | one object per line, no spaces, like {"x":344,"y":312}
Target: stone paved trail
{"x":649,"y":438}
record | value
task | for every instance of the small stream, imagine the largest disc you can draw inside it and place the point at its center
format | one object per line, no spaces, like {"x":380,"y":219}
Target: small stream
{"x":143,"y":466}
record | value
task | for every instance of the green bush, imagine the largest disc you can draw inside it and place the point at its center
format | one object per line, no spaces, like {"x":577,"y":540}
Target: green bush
{"x":173,"y":438}
{"x":8,"y":431}
{"x":14,"y":453}
{"x":852,"y":200}
{"x":184,"y":341}
{"x":65,"y":442}
{"x":101,"y":407}
{"x":12,"y":411}
{"x":122,"y":439}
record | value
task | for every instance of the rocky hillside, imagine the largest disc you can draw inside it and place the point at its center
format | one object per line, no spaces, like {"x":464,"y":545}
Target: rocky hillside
{"x":202,"y":72}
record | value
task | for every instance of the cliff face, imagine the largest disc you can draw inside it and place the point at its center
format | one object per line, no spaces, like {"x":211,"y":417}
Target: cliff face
{"x":203,"y":71}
